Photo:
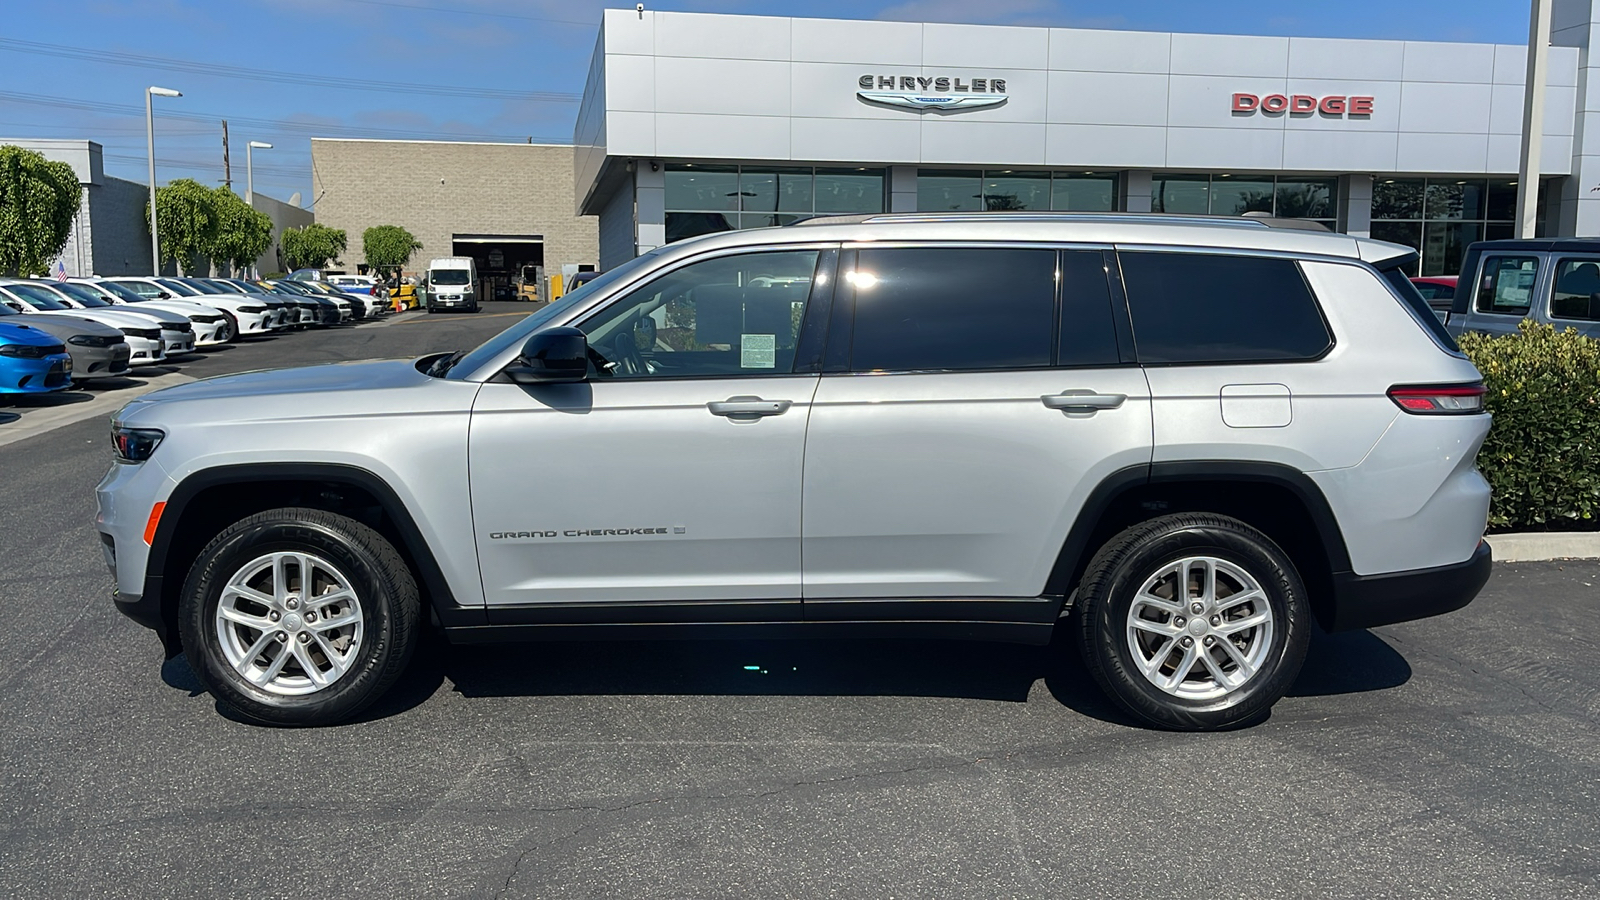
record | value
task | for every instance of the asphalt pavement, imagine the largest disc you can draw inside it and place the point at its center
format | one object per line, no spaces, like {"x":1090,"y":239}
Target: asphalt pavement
{"x":1455,"y":757}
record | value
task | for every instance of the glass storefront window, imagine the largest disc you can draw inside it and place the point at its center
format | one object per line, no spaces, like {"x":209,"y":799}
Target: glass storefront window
{"x":1443,"y":244}
{"x":1502,"y":201}
{"x":1083,"y":193}
{"x":840,"y":191}
{"x":703,"y":188}
{"x":1237,"y":196}
{"x":1016,"y":190}
{"x":775,"y":190}
{"x":1397,"y":198}
{"x":939,"y":191}
{"x":1306,"y":198}
{"x":1188,"y":194}
{"x":682,"y":225}
{"x":1454,"y":200}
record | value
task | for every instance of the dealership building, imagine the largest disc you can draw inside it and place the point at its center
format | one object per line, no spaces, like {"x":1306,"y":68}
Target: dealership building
{"x":693,"y":123}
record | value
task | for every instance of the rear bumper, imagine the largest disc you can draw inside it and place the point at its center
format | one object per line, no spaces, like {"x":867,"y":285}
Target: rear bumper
{"x":1367,"y":601}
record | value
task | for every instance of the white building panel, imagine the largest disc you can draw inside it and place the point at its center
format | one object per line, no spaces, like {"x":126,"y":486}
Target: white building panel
{"x":710,"y":36}
{"x":1108,"y":146}
{"x":1107,"y":98}
{"x":1207,"y":101}
{"x":829,"y":89}
{"x":631,"y":83}
{"x":853,"y":140}
{"x":729,"y":87}
{"x":1437,"y":108}
{"x":630,"y":134}
{"x":1329,"y":151}
{"x":722,"y":137}
{"x":985,"y":46}
{"x":1226,"y":54}
{"x":866,"y":44}
{"x":1332,"y":58}
{"x":1443,"y":153}
{"x":1224,"y":148}
{"x":1449,"y":63}
{"x":966,"y":142}
{"x":1082,"y":50}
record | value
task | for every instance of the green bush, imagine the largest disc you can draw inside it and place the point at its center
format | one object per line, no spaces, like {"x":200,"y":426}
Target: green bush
{"x":1542,"y":457}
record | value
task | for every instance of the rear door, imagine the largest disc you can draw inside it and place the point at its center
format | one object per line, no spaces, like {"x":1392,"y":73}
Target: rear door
{"x":1575,"y":293}
{"x":972,"y":398}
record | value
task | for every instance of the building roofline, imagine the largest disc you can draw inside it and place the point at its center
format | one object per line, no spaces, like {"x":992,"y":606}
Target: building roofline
{"x":427,"y":141}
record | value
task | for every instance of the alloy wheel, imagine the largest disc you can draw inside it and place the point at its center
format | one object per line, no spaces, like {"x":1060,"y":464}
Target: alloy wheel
{"x":289,"y":623}
{"x":1200,"y":627}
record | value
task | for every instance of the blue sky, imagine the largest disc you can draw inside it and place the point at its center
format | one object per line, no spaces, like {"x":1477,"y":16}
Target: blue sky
{"x":478,"y":69}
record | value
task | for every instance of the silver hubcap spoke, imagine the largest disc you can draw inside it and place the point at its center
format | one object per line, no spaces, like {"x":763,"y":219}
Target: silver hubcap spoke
{"x":289,"y":623}
{"x":1200,"y":627}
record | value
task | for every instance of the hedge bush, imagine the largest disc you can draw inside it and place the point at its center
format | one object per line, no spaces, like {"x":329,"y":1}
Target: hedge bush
{"x":1542,"y":457}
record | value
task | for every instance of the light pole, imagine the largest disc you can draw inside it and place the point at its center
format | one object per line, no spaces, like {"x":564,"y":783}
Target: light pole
{"x":250,"y":180}
{"x":249,"y":176}
{"x":150,"y":145}
{"x":1533,"y":119}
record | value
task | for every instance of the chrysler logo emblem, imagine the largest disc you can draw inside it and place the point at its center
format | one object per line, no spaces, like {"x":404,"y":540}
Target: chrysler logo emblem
{"x":931,"y":92}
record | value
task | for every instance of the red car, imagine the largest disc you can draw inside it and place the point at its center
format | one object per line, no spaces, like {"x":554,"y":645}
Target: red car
{"x":1439,"y":291}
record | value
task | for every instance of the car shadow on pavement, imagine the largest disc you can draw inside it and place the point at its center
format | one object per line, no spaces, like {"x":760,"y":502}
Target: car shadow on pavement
{"x":6,"y":418}
{"x":1351,"y":662}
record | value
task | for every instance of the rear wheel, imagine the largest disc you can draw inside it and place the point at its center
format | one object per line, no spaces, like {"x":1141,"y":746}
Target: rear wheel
{"x":298,"y":616}
{"x":1193,"y":622}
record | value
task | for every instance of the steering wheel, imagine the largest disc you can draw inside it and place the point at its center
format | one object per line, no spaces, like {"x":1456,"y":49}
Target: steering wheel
{"x":626,"y":355}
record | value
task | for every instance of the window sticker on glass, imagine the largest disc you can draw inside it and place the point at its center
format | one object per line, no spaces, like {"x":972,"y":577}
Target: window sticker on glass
{"x":758,"y":351}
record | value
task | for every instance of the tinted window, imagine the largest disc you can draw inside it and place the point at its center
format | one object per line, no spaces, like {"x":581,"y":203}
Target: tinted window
{"x":933,"y":309}
{"x":1088,"y":337}
{"x":1420,"y":307}
{"x":731,"y":315}
{"x":1205,"y":308}
{"x":1506,"y":285}
{"x":1577,"y":294}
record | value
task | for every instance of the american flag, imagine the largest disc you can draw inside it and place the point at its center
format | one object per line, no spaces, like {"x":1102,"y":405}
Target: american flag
{"x":61,"y":270}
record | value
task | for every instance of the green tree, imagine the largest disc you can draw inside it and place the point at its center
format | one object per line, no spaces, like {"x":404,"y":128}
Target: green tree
{"x":186,"y":212}
{"x":242,"y":235}
{"x":387,"y":248}
{"x":38,"y":201}
{"x":311,"y":247}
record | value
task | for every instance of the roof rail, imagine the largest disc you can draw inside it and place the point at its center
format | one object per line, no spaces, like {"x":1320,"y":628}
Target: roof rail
{"x":1053,"y":216}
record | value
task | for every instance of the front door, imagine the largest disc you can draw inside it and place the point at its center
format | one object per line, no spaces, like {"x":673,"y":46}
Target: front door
{"x":672,"y":475}
{"x":953,"y":456}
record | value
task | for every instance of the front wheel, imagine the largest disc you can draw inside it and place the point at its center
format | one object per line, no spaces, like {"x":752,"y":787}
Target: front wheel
{"x":1193,"y":622}
{"x":228,"y":330}
{"x":298,"y":616}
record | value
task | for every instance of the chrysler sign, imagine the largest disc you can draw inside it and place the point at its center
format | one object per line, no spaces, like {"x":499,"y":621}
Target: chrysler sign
{"x":931,"y":92}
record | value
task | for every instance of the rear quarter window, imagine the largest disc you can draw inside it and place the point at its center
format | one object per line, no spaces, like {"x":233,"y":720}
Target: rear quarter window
{"x":1202,"y":308}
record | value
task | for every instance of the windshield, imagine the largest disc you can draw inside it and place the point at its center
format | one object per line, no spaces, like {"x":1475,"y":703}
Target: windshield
{"x":448,"y":276}
{"x":225,"y":286}
{"x":178,"y":287}
{"x":121,"y":291}
{"x":37,"y":297}
{"x":88,"y":296}
{"x":516,"y":334}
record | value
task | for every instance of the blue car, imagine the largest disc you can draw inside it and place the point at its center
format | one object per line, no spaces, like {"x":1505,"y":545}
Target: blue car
{"x":31,"y":361}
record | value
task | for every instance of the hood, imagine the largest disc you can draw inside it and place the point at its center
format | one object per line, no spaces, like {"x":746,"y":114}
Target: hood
{"x":22,"y":333}
{"x":352,"y":376}
{"x":59,"y":325}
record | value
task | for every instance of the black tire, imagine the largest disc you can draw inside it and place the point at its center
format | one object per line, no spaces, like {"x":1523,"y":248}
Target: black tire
{"x":1118,"y":573}
{"x":385,"y":593}
{"x":230,"y":328}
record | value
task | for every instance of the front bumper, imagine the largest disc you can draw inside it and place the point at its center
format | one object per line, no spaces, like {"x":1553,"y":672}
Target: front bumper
{"x":1367,"y":601}
{"x":35,"y":376}
{"x":177,"y":342}
{"x":146,"y":351}
{"x":99,"y":362}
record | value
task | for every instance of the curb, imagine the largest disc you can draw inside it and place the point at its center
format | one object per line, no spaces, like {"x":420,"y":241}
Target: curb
{"x":43,"y":419}
{"x":1544,"y":546}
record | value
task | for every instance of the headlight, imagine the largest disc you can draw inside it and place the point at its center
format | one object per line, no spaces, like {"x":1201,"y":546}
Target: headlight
{"x":31,"y":351}
{"x":135,"y":444}
{"x":94,"y":340}
{"x":253,"y":309}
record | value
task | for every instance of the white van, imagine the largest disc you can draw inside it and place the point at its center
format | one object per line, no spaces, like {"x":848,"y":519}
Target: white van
{"x":452,"y":284}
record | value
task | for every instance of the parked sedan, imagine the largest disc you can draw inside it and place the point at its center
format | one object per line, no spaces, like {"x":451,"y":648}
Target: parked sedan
{"x":360,"y":307}
{"x":32,"y":361}
{"x":343,"y":305}
{"x":142,"y":334}
{"x":245,"y":316}
{"x":277,"y":311}
{"x":176,"y":330}
{"x":97,"y":350}
{"x":1439,"y":291}
{"x":210,"y":326}
{"x":301,"y":313}
{"x":325,"y":310}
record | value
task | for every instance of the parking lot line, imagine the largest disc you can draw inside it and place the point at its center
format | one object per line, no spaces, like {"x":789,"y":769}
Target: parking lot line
{"x":37,"y":420}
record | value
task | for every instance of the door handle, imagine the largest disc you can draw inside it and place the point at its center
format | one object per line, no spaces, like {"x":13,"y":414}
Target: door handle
{"x":1082,"y":401}
{"x":748,"y":407}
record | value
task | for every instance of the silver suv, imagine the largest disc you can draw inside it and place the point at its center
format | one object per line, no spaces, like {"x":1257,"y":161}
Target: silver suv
{"x":1182,"y":440}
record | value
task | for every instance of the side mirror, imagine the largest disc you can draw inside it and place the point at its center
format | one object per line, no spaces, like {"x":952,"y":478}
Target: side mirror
{"x":552,"y":356}
{"x":163,"y":296}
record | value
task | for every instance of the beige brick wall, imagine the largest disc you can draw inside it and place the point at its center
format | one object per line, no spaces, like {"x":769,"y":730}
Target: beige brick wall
{"x":436,"y":189}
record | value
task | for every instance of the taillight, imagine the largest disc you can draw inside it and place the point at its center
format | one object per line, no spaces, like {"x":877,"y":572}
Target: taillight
{"x":1439,"y":399}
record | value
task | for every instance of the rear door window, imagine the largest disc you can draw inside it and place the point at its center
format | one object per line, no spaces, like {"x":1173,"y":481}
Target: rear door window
{"x":1577,"y":290}
{"x":953,"y":309}
{"x":1202,"y":308}
{"x":1505,"y":287}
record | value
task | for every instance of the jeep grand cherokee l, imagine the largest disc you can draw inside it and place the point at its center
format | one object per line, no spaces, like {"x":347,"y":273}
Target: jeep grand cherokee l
{"x":1181,"y":440}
